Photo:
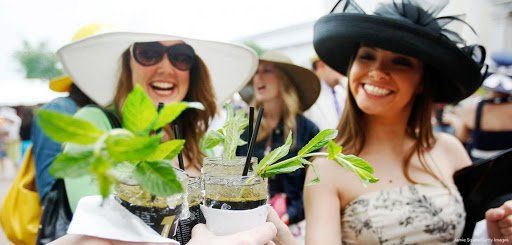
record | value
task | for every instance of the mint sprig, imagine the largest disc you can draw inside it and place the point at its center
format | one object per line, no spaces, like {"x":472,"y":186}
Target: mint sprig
{"x":63,"y":128}
{"x":269,"y":165}
{"x":133,"y":144}
{"x":228,"y":135}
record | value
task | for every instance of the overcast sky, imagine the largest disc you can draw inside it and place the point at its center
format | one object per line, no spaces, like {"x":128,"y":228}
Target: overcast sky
{"x":55,"y":21}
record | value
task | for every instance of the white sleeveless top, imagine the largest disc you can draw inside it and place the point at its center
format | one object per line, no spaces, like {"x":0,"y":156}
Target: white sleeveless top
{"x":411,"y":214}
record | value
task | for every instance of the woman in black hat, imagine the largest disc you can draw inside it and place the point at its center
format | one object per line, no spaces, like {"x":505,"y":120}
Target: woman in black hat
{"x":398,"y":61}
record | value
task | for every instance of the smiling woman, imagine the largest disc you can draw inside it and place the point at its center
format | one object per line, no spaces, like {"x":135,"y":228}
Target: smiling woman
{"x":399,"y":61}
{"x":169,"y":69}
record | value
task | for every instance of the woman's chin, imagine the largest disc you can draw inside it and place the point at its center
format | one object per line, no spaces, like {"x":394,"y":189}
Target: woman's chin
{"x":372,"y":109}
{"x":165,"y":98}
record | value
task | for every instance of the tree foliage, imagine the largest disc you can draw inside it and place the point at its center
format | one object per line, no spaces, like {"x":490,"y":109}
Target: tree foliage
{"x":38,"y":61}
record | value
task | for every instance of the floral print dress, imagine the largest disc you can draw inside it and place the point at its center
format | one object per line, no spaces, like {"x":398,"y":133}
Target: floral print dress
{"x":411,"y":214}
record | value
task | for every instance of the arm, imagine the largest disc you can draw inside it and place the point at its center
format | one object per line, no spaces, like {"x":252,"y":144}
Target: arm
{"x":322,"y":205}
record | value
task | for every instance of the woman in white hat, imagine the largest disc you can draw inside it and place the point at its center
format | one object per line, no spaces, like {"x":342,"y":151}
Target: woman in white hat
{"x":398,"y":60}
{"x":284,"y":90}
{"x":169,"y":68}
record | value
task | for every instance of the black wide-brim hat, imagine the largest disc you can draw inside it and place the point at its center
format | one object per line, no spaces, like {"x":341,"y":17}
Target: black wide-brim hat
{"x":403,"y":27}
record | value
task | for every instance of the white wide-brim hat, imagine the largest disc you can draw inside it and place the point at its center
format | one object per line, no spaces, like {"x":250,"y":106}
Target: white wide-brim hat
{"x":94,"y":63}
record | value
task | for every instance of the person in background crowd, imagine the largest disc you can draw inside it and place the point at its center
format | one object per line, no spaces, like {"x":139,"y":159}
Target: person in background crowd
{"x":45,"y":149}
{"x":396,"y":72}
{"x":27,"y":114}
{"x":326,"y":111}
{"x":487,"y":125}
{"x":438,"y":123}
{"x":284,"y":90}
{"x":10,"y":124}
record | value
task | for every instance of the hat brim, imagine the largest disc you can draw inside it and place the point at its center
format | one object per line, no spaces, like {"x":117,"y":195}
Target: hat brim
{"x":337,"y":37}
{"x":94,"y":63}
{"x":304,"y":80}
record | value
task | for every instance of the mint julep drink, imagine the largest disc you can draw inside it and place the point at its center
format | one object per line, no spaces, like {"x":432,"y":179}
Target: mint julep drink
{"x":161,"y":213}
{"x":235,"y":192}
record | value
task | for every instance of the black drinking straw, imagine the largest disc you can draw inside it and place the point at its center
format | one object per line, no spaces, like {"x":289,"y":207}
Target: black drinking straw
{"x":253,"y":141}
{"x":177,"y":136}
{"x":251,"y":122}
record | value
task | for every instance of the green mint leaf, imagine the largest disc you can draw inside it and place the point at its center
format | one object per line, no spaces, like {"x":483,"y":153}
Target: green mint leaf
{"x":139,"y":112}
{"x":234,"y":126}
{"x":275,"y":155}
{"x":196,"y":105}
{"x":169,"y":113}
{"x":100,"y":167}
{"x":282,"y":168}
{"x":316,"y":180}
{"x":211,"y":139}
{"x":241,"y":142}
{"x":242,"y":121}
{"x":131,"y":148}
{"x":64,"y":128}
{"x":168,"y":150}
{"x":71,"y":165}
{"x":357,"y":165}
{"x":105,"y":184}
{"x":333,"y":149}
{"x":319,"y":141}
{"x":158,"y":177}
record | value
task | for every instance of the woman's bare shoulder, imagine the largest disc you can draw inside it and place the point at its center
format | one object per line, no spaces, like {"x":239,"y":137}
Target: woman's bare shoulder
{"x":449,"y":150}
{"x":334,"y":178}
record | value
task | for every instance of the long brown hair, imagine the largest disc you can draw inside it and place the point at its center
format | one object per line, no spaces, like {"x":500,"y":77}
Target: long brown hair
{"x":419,"y":126}
{"x":290,"y":106}
{"x":192,"y":123}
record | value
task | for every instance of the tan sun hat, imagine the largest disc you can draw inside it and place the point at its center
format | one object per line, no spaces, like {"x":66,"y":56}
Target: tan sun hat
{"x":305,"y":81}
{"x":63,"y":83}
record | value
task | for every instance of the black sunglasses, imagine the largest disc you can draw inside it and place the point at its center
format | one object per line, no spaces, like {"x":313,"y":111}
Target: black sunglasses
{"x":181,"y":55}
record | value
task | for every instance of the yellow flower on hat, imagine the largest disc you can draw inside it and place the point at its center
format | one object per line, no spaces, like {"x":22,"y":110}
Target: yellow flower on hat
{"x":63,"y":83}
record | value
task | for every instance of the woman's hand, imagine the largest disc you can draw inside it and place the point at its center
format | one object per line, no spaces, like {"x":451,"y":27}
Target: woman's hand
{"x":284,"y":235}
{"x":259,"y":235}
{"x":499,"y":223}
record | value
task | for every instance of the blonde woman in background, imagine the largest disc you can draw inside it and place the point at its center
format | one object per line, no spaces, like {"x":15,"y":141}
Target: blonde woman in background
{"x":284,"y":90}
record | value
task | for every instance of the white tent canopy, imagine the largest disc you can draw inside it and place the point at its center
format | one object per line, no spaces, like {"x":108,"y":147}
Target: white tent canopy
{"x":26,"y":92}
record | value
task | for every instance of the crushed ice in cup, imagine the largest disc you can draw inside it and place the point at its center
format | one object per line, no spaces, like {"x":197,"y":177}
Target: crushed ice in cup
{"x":225,"y":207}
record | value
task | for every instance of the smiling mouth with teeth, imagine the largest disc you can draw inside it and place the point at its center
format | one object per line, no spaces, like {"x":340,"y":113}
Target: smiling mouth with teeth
{"x":162,"y":86}
{"x":376,"y":91}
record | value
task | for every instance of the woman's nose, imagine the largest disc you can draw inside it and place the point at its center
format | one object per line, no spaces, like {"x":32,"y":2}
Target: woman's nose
{"x":165,"y":66}
{"x":379,"y":73}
